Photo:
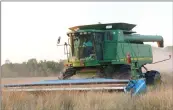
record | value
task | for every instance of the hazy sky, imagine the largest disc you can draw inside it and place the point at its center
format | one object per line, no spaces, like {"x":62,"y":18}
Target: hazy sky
{"x":31,"y":29}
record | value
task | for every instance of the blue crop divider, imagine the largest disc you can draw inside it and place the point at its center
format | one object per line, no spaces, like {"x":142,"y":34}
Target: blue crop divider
{"x":138,"y":86}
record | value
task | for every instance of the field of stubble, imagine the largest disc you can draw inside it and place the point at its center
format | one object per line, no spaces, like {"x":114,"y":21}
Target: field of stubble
{"x":156,"y":98}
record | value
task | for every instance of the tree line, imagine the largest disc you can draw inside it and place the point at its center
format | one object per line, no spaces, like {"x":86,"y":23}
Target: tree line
{"x":32,"y":68}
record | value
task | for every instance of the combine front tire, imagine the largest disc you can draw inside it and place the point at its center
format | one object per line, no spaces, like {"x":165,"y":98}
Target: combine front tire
{"x":152,"y":77}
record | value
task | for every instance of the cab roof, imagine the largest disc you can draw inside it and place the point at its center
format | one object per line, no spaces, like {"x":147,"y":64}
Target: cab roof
{"x":107,"y":26}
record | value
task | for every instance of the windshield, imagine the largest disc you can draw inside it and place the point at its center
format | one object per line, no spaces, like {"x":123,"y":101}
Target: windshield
{"x":83,"y":46}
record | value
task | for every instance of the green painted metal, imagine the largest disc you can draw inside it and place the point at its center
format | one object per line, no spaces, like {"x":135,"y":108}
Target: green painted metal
{"x":92,"y":63}
{"x":111,"y":45}
{"x":143,"y":38}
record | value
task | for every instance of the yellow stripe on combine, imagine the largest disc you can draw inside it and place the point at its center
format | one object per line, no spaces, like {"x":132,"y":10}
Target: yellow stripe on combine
{"x":146,"y":58}
{"x":142,"y":58}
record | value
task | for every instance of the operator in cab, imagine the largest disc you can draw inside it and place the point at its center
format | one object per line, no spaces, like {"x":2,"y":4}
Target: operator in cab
{"x":88,"y":47}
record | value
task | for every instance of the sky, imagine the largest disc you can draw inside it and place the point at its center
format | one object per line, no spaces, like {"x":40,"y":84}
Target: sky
{"x":31,"y":29}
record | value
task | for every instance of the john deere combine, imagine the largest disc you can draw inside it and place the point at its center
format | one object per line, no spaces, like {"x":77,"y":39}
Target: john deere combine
{"x":114,"y":52}
{"x":111,"y":50}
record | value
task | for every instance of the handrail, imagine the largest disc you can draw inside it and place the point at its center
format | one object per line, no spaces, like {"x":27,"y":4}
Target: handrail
{"x":65,"y":46}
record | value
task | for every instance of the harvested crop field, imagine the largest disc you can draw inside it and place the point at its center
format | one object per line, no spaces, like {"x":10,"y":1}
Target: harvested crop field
{"x":159,"y":98}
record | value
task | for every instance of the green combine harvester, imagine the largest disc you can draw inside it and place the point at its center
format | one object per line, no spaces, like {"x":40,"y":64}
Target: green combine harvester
{"x":113,"y":52}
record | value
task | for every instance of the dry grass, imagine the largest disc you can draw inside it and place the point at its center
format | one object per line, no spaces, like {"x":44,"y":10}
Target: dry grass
{"x":21,"y":80}
{"x":159,"y":98}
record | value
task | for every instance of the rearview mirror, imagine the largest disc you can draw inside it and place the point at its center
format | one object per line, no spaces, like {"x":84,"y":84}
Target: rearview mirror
{"x":59,"y":39}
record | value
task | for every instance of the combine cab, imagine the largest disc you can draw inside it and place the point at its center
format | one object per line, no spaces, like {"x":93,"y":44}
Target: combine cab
{"x":113,"y":53}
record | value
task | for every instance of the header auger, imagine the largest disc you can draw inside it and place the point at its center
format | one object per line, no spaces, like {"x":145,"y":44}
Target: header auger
{"x":112,"y":52}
